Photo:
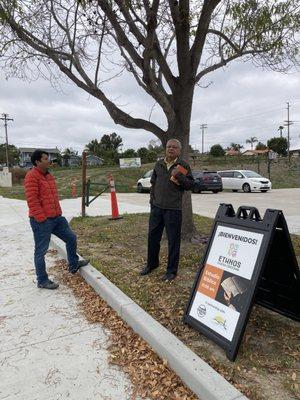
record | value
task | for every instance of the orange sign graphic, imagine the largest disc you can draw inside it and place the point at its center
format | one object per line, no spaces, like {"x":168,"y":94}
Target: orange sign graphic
{"x":210,"y":281}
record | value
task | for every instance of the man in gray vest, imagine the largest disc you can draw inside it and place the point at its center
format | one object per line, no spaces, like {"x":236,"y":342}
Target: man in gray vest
{"x":170,"y":178}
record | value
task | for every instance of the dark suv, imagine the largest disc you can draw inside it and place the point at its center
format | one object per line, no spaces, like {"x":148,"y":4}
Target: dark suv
{"x":207,"y":181}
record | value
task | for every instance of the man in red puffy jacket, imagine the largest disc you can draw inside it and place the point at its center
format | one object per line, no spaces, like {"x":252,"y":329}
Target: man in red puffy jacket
{"x":46,"y":218}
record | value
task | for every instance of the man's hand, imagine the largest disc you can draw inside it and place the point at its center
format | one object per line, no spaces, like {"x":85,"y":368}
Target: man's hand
{"x":228,"y":296}
{"x":174,"y":172}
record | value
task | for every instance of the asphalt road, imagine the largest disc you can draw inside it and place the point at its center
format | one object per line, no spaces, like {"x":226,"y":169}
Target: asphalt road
{"x":206,"y":204}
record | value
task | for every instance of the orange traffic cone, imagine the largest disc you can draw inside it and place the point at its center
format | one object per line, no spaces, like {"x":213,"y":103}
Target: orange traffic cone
{"x":113,"y":199}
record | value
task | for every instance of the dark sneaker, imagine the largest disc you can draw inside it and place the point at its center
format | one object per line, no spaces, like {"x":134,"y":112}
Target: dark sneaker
{"x":168,"y":277}
{"x":81,"y":263}
{"x":146,"y":270}
{"x":48,"y":285}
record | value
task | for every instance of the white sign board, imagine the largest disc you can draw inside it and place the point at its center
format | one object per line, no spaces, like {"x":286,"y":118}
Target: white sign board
{"x":222,"y":291}
{"x":130,"y":162}
{"x":5,"y":178}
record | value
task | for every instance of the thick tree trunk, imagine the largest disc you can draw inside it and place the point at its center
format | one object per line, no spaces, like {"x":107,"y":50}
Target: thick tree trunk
{"x":181,"y":131}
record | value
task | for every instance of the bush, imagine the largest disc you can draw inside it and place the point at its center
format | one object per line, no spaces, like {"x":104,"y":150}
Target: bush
{"x":217,"y":151}
{"x":18,"y":175}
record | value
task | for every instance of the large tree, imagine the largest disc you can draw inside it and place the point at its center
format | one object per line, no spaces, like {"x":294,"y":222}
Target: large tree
{"x":168,"y":46}
{"x":13,"y":154}
{"x":217,"y":150}
{"x":94,"y":147}
{"x":279,"y":145}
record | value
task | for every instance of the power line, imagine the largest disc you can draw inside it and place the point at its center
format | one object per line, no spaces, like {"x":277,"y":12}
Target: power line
{"x":5,"y":119}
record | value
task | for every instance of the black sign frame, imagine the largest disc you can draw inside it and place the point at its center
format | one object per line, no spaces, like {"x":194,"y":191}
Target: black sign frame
{"x":248,"y":218}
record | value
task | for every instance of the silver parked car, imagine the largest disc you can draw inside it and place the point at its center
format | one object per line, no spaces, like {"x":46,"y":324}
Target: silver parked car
{"x":245,"y":180}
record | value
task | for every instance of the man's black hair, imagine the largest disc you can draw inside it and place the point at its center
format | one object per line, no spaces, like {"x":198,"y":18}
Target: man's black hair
{"x":37,"y":155}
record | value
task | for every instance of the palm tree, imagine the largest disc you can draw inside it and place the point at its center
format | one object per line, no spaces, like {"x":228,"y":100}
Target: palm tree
{"x":251,"y":141}
{"x":94,"y":147}
{"x":235,"y":146}
{"x":280,"y":129}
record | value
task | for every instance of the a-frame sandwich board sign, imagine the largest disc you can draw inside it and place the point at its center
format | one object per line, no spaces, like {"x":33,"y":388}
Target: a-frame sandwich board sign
{"x":247,"y":259}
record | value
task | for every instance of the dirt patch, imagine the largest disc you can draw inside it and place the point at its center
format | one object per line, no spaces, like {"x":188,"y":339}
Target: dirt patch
{"x":269,"y":355}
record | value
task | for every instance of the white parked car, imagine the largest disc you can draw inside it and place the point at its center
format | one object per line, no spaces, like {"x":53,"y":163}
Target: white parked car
{"x":245,"y":180}
{"x":143,"y":184}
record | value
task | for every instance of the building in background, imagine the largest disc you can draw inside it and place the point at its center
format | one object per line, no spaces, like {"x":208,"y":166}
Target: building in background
{"x":26,"y":153}
{"x":92,"y":160}
{"x":255,"y":152}
{"x":72,"y":160}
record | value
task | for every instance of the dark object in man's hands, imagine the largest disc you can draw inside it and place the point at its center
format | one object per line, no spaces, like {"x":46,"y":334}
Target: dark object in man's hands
{"x":178,"y":169}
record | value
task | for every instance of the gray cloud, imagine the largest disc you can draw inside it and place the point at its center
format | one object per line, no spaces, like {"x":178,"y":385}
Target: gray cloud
{"x":241,"y":102}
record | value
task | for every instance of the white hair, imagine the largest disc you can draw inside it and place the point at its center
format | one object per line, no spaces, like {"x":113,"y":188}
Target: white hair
{"x":177,"y":141}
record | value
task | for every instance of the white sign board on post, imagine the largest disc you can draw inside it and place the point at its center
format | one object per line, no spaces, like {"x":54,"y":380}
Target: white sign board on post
{"x":5,"y":178}
{"x":130,"y":162}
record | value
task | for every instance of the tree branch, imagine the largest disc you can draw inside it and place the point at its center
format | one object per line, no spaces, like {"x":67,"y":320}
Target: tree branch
{"x":180,"y":15}
{"x":202,"y":28}
{"x":118,"y":115}
{"x":99,"y":52}
{"x":224,"y":62}
{"x":122,"y":38}
{"x":223,"y":36}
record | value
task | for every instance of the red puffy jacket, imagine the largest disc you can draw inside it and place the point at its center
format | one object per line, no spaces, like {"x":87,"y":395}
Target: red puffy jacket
{"x":41,"y":195}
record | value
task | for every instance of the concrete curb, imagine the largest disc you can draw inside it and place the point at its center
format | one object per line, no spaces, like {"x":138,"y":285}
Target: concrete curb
{"x":203,"y":380}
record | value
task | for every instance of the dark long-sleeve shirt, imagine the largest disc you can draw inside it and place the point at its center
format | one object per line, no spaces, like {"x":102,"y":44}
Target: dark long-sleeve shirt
{"x":165,"y":193}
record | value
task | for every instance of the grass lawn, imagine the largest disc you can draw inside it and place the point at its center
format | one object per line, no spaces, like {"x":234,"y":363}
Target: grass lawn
{"x":282,"y":175}
{"x":125,"y":180}
{"x":269,"y":355}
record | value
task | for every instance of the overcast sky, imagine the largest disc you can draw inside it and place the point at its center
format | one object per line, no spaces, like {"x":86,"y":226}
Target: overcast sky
{"x":242,"y":101}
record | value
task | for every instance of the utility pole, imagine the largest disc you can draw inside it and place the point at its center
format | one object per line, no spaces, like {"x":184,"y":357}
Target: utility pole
{"x":5,"y":119}
{"x":288,"y":123}
{"x":203,"y":126}
{"x":83,"y":189}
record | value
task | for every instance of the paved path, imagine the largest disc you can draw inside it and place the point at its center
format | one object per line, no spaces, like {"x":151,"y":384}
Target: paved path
{"x":207,"y":204}
{"x":48,"y":351}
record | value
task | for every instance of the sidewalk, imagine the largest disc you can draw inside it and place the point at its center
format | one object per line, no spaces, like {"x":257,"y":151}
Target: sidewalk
{"x":47,"y":348}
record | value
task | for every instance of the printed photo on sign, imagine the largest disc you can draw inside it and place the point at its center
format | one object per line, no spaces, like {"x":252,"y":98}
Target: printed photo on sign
{"x":235,"y":250}
{"x":220,"y":298}
{"x":233,"y":291}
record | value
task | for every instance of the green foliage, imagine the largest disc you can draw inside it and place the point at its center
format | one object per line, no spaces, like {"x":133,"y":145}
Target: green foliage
{"x":260,"y":146}
{"x":13,"y":154}
{"x":106,"y":148}
{"x":94,"y":147}
{"x":235,"y":146}
{"x":111,"y":142}
{"x":269,"y":26}
{"x":279,"y":145}
{"x":217,"y":150}
{"x":129,"y":153}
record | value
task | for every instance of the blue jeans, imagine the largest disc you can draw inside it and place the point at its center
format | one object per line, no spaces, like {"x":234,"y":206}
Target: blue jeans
{"x":42,"y":231}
